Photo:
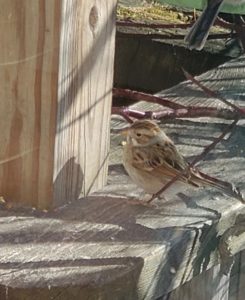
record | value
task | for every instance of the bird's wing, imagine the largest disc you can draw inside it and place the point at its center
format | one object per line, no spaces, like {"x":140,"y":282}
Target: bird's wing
{"x":163,"y":159}
{"x":160,"y":157}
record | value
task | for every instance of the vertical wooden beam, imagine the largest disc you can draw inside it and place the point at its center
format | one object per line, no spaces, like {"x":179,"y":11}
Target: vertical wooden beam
{"x":85,"y":84}
{"x":56,"y":69}
{"x":28,"y":77}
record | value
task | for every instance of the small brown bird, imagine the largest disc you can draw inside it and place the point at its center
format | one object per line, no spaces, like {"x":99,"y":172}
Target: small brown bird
{"x":152,"y":160}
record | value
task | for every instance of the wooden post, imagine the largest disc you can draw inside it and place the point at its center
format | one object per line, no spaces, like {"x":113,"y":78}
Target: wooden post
{"x":56,"y":72}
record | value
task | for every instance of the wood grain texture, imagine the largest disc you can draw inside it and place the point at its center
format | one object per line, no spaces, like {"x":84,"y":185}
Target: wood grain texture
{"x":225,"y":162}
{"x":56,"y":73}
{"x":28,"y":89}
{"x":237,"y":285}
{"x":211,"y":285}
{"x":85,"y":84}
{"x":103,"y":247}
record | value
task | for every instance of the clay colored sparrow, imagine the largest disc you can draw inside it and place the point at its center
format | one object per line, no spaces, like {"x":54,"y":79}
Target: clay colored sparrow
{"x":152,"y":160}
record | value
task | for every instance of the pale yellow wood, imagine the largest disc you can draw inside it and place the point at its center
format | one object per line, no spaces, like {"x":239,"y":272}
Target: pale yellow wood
{"x":85,"y":84}
{"x":29,"y":54}
{"x":56,"y":73}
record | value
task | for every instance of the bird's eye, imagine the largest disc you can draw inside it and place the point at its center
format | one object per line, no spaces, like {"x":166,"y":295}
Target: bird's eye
{"x":138,"y":134}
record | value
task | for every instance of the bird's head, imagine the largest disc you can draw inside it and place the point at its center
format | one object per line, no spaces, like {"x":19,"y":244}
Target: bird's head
{"x":141,"y":132}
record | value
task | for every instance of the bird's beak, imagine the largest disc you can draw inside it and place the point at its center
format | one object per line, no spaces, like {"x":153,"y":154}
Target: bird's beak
{"x":124,"y":131}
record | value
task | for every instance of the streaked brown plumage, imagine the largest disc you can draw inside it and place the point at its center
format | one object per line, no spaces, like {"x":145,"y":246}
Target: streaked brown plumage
{"x":151,"y":160}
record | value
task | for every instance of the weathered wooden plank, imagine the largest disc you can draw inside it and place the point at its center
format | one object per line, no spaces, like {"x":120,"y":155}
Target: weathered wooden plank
{"x":191,"y":135}
{"x":56,"y":69}
{"x":241,"y":276}
{"x":238,"y":278}
{"x":104,"y":247}
{"x":221,"y":281}
{"x":100,"y":245}
{"x":210,"y":285}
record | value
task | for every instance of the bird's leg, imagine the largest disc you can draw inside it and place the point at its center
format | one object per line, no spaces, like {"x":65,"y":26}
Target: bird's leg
{"x":156,"y":196}
{"x":143,"y":199}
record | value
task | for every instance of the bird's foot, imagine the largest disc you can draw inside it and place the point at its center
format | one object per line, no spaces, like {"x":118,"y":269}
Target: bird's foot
{"x":143,"y":202}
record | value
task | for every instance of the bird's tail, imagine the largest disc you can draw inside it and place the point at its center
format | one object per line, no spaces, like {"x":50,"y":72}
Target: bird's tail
{"x":198,"y":34}
{"x":224,"y":186}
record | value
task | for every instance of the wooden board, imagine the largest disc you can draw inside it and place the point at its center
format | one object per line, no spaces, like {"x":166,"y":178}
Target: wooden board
{"x":210,"y":285}
{"x":104,"y":247}
{"x":84,"y":100}
{"x":28,"y":85}
{"x":56,"y":72}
